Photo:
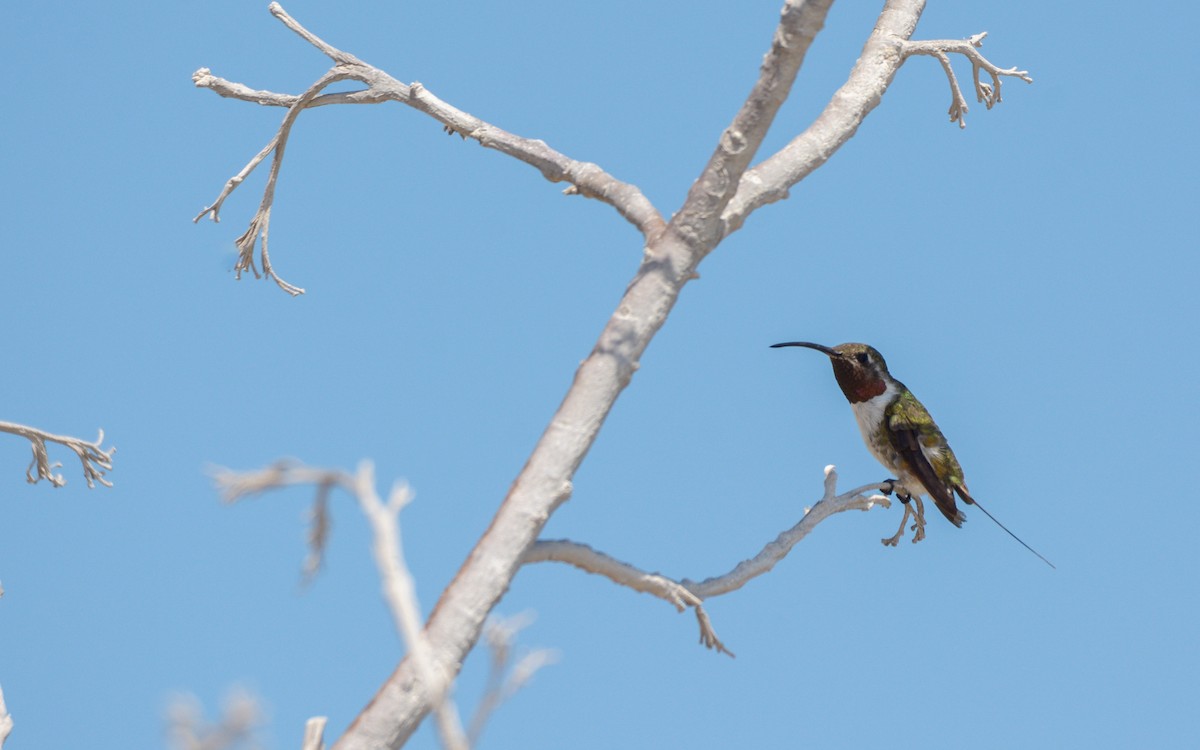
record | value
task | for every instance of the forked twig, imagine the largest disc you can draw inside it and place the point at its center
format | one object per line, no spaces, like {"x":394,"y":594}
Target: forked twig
{"x":260,"y":225}
{"x":987,"y":93}
{"x":95,"y":460}
{"x":586,"y":179}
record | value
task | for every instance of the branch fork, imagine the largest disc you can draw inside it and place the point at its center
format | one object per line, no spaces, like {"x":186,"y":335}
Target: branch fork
{"x":987,"y":93}
{"x":96,"y":461}
{"x":399,"y":590}
{"x":586,"y":179}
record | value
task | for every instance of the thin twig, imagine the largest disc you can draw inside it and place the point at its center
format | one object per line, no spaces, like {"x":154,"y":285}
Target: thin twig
{"x":95,"y":460}
{"x":687,"y":593}
{"x":830,"y":503}
{"x":260,"y":225}
{"x":596,"y":562}
{"x":586,"y":179}
{"x":989,"y":94}
{"x":335,"y":54}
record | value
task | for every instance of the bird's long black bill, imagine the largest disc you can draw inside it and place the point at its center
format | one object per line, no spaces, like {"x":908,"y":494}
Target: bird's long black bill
{"x":808,"y":344}
{"x":1014,"y":536}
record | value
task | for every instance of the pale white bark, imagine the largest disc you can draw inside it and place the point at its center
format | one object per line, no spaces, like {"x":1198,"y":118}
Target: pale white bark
{"x":586,"y":178}
{"x":685,"y":593}
{"x":718,"y":203}
{"x":95,"y":460}
{"x":988,"y":93}
{"x":544,"y":483}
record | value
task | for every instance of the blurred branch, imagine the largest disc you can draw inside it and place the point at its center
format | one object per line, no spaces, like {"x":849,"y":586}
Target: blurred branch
{"x":237,"y":485}
{"x":95,"y":460}
{"x":188,"y":730}
{"x":686,"y":593}
{"x":504,"y":677}
{"x":401,"y":595}
{"x":6,"y":721}
{"x":399,"y":591}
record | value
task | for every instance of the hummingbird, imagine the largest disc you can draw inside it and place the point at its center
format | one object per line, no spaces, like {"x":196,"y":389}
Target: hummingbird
{"x":902,"y":436}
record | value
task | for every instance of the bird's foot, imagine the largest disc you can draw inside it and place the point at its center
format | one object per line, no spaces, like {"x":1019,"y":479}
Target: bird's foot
{"x":917,"y":511}
{"x":892,"y":486}
{"x":918,"y":527}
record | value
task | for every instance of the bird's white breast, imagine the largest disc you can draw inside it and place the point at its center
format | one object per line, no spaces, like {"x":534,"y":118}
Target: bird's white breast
{"x":870,"y":415}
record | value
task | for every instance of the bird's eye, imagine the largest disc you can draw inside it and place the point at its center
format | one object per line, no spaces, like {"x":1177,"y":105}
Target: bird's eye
{"x":862,"y":358}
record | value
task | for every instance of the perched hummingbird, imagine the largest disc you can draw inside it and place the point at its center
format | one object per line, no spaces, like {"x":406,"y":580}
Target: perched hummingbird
{"x":900,"y":433}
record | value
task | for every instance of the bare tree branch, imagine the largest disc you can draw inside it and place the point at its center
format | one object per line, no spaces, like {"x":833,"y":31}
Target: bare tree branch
{"x":204,"y":79}
{"x":799,"y":24}
{"x":239,"y":485}
{"x":723,"y":196}
{"x":989,"y":94}
{"x":593,"y":561}
{"x":669,"y":262}
{"x":586,"y":179}
{"x":686,"y":593}
{"x":829,"y":504}
{"x":884,"y":53}
{"x":95,"y":460}
{"x":260,"y":225}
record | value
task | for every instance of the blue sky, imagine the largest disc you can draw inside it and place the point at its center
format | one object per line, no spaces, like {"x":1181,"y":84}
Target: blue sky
{"x":1031,"y":278}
